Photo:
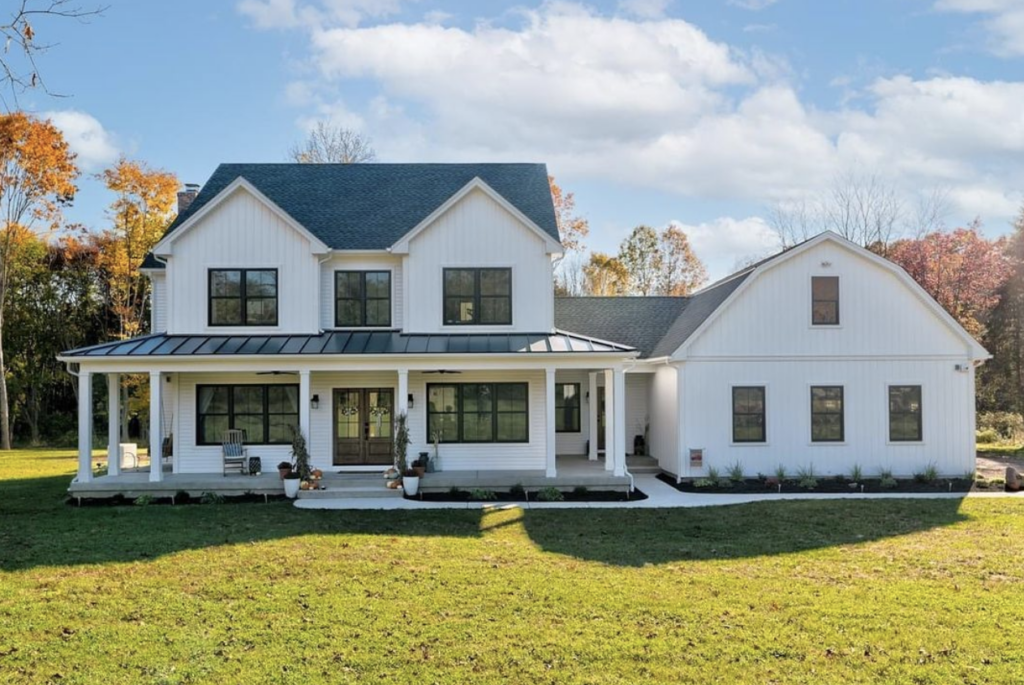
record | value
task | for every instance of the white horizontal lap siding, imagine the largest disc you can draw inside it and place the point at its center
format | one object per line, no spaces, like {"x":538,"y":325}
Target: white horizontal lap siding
{"x":359,"y":263}
{"x":242,"y":233}
{"x":193,"y":458}
{"x":664,"y":407}
{"x":321,"y":429}
{"x":478,"y":232}
{"x":946,"y":402}
{"x":878,"y":313}
{"x":637,"y":409}
{"x":494,"y":456}
{"x":158,"y":303}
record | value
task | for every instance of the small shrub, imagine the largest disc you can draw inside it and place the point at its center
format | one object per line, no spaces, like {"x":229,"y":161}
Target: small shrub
{"x":580,"y":492}
{"x":986,"y":436}
{"x":806,"y":477}
{"x":550,"y":495}
{"x":736,"y":473}
{"x":780,"y":472}
{"x":713,"y":475}
{"x":457,"y":493}
{"x":856,"y":473}
{"x":482,"y":495}
{"x":518,"y":491}
{"x":930,"y":474}
{"x":703,"y":483}
{"x":143,"y":500}
{"x":211,"y":498}
{"x":182,"y":497}
{"x":885,"y":479}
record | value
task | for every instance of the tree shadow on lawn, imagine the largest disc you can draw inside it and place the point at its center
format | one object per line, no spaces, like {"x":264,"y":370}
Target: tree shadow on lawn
{"x":638,"y":537}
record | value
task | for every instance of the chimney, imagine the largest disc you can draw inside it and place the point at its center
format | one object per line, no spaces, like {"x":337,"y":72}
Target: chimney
{"x":187,"y":197}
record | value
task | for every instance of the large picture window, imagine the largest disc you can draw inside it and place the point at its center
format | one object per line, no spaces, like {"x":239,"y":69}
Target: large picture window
{"x":748,"y":411}
{"x":362,"y":298}
{"x":827,"y":422}
{"x":567,"y":407}
{"x":905,"y":423}
{"x":477,"y":297}
{"x":243,"y":297}
{"x":267,"y":413}
{"x":825,"y":300}
{"x":478,"y":412}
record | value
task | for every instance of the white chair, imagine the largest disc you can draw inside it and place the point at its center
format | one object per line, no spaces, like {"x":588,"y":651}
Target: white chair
{"x":233,"y":451}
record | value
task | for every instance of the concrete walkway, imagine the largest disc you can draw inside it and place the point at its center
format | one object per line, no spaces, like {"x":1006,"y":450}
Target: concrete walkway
{"x":659,"y":496}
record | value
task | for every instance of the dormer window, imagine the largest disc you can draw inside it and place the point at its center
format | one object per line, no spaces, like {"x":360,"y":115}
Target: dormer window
{"x":243,"y":297}
{"x":477,"y":297}
{"x":825,"y":300}
{"x":362,"y":298}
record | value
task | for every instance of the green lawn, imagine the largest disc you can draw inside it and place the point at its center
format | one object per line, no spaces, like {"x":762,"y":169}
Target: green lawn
{"x":813,"y":592}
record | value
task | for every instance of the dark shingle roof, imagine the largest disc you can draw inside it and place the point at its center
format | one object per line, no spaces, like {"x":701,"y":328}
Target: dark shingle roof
{"x":656,"y":326}
{"x":371,"y":206}
{"x":349,"y":343}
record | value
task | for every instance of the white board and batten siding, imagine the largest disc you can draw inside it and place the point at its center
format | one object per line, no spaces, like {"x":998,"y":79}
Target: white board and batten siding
{"x":356,"y":262}
{"x":158,"y":302}
{"x":242,"y":232}
{"x":887,"y":336}
{"x":478,"y":232}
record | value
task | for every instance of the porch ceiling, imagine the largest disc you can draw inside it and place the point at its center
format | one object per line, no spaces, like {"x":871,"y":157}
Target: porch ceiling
{"x":348,"y":343}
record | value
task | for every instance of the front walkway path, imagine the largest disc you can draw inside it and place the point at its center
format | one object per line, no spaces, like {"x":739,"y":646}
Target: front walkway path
{"x":659,"y":496}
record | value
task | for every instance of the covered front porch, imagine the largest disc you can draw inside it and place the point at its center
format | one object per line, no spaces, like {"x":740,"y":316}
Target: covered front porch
{"x":483,"y":418}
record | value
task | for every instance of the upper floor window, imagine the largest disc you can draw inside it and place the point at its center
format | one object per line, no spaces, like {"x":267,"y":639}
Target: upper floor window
{"x":362,"y":298}
{"x":567,"y":407}
{"x":243,"y":297}
{"x":825,"y":300}
{"x":827,"y":420}
{"x":905,"y":413}
{"x":748,"y":424}
{"x":477,"y":297}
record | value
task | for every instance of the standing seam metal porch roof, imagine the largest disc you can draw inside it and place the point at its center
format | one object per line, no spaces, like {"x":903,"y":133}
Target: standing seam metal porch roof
{"x":349,"y":343}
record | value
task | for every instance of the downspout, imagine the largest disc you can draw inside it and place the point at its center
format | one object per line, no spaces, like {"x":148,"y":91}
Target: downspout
{"x":320,"y":289}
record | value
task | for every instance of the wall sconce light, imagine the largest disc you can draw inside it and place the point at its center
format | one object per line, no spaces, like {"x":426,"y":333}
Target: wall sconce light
{"x":410,"y":400}
{"x":588,"y":395}
{"x":314,"y":401}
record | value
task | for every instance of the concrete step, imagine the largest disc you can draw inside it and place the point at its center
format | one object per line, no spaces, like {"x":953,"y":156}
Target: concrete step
{"x":352,"y":492}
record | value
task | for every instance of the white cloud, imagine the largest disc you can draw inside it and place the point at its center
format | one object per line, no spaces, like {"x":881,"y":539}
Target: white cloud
{"x":283,"y":14}
{"x":94,"y":145}
{"x":727,"y":244}
{"x":645,"y":9}
{"x":753,"y":5}
{"x":1004,"y":21}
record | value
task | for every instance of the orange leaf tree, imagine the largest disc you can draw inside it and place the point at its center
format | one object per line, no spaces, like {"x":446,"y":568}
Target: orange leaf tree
{"x":37,"y":175}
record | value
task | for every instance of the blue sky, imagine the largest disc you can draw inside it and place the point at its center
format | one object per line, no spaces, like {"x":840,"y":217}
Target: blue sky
{"x":701,"y":112}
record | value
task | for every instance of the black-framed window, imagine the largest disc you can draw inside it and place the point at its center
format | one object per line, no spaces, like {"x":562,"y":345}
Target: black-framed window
{"x":362,"y":298}
{"x":748,"y":414}
{"x":567,"y":407}
{"x":243,"y":297}
{"x":905,"y":423}
{"x":480,"y":297}
{"x":825,"y":300}
{"x":478,"y":412}
{"x":267,"y":413}
{"x":827,"y":420}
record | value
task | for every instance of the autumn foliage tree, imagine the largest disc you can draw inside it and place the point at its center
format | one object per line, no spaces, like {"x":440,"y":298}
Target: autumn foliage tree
{"x":37,"y":175}
{"x":605,"y":276}
{"x":961,"y":269}
{"x":1001,"y":382}
{"x":681,"y":271}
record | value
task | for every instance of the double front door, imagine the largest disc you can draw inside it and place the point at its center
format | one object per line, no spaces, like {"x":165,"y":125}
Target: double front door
{"x":363,"y":426}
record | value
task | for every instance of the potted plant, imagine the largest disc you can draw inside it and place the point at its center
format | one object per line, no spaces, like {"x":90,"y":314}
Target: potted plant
{"x":410,"y":477}
{"x":292,"y":482}
{"x":284,"y":468}
{"x":420,"y":466}
{"x":300,"y":454}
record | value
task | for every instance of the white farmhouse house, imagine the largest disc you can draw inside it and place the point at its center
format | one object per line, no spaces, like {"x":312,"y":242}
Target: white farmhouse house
{"x":330,"y":298}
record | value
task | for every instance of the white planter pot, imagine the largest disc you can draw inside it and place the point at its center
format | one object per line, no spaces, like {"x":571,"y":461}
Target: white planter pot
{"x":291,"y":487}
{"x":411,"y":484}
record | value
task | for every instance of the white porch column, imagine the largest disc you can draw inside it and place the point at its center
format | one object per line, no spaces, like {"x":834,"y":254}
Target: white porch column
{"x":619,"y":414}
{"x":114,"y":424}
{"x":592,"y":415}
{"x":84,"y":426}
{"x":304,"y":406}
{"x":156,"y":433}
{"x":551,"y":469}
{"x":402,"y":401}
{"x":610,"y":401}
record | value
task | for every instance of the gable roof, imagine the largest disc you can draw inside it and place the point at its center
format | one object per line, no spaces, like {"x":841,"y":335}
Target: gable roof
{"x":655,"y":326}
{"x":372,"y":206}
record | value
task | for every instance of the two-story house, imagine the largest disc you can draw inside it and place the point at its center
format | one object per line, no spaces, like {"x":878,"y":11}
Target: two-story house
{"x":330,"y":298}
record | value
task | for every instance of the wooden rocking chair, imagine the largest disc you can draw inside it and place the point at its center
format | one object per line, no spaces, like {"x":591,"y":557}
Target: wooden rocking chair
{"x":233,"y":451}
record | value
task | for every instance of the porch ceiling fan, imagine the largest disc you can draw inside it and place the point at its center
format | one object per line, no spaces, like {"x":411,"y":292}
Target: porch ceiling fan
{"x":443,"y":371}
{"x":276,"y":373}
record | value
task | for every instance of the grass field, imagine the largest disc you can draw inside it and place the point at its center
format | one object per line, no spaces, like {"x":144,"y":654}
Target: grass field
{"x":801,"y":592}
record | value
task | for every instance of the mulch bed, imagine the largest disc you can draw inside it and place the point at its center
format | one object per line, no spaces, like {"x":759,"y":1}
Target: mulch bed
{"x":826,"y":485}
{"x":508,"y":497}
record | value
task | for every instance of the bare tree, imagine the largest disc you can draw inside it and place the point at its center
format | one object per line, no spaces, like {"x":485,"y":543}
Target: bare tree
{"x":330,"y":144}
{"x":18,"y":70}
{"x":864,"y":209}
